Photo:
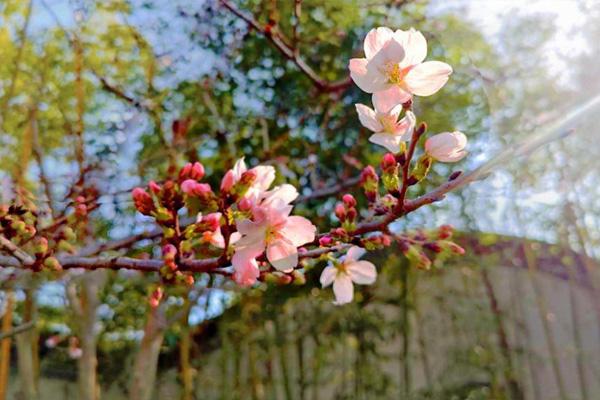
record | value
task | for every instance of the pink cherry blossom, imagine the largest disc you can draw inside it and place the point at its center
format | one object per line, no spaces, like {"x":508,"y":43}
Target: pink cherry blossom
{"x":350,"y":270}
{"x":447,"y":146}
{"x":264,"y":177}
{"x":273,"y":229}
{"x":383,"y":121}
{"x":393,"y":64}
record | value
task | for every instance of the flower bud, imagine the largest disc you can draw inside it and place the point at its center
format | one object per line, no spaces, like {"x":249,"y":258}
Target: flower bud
{"x":421,"y":169}
{"x":142,"y":201}
{"x":340,"y":212}
{"x":155,"y":297}
{"x":244,"y":204}
{"x":349,"y":200}
{"x":154,"y":187}
{"x":445,"y":232}
{"x":227,"y":182}
{"x":433,"y":246}
{"x":193,"y":171}
{"x":369,"y":182}
{"x":52,"y":264}
{"x":388,"y":163}
{"x":211,"y":222}
{"x":40,"y":245}
{"x":447,"y":146}
{"x":169,"y":252}
{"x":81,"y":210}
{"x":325,"y":241}
{"x":195,"y":189}
{"x":69,"y":234}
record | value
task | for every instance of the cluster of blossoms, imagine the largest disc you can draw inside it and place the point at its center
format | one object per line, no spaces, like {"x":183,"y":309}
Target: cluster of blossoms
{"x":248,"y":226}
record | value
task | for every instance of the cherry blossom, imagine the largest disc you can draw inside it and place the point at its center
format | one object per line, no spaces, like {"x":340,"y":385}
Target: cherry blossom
{"x":447,"y":146}
{"x":273,"y":229}
{"x":383,"y":121}
{"x":347,"y":271}
{"x":393,"y":64}
{"x":213,"y":235}
{"x":264,"y":175}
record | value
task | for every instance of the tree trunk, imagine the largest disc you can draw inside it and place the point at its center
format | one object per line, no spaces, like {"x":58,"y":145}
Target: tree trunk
{"x":84,"y":307}
{"x":27,"y":352}
{"x":146,"y":359}
{"x":5,"y":345}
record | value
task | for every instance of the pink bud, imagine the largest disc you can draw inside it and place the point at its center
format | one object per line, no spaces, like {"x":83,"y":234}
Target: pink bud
{"x":81,"y":210}
{"x":349,"y":200}
{"x":212,"y":221}
{"x":169,"y":251}
{"x":154,"y":187}
{"x":447,"y":146}
{"x":184,"y":173}
{"x":197,"y":172}
{"x":388,"y":163}
{"x":193,"y":188}
{"x":248,"y":177}
{"x":227,"y":182}
{"x":80,"y":199}
{"x":244,"y":204}
{"x":340,"y":212}
{"x":142,"y":201}
{"x":445,"y":231}
{"x":326,"y":241}
{"x":368,"y":173}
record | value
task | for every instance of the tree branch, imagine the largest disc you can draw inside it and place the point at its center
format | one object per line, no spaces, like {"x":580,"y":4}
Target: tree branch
{"x":288,"y":52}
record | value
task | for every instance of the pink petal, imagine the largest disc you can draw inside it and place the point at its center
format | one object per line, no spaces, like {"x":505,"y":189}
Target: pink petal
{"x":328,"y":275}
{"x":282,"y":255}
{"x":368,"y":118}
{"x":364,"y":79}
{"x":376,"y":39}
{"x":427,"y":78}
{"x":385,"y":100}
{"x":298,"y":230}
{"x":362,"y":272}
{"x":415,"y":46}
{"x":354,"y":253}
{"x":387,"y":140}
{"x":343,"y":289}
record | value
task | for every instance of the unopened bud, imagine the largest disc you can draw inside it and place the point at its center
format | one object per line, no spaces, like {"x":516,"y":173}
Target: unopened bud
{"x":349,"y":200}
{"x":388,"y":163}
{"x":227,"y":182}
{"x":445,"y":232}
{"x":340,"y":212}
{"x":325,"y":241}
{"x":370,"y":182}
{"x":52,"y":264}
{"x":40,"y":245}
{"x":195,"y":189}
{"x":299,"y":278}
{"x":244,"y":204}
{"x":142,"y":201}
{"x":154,"y":187}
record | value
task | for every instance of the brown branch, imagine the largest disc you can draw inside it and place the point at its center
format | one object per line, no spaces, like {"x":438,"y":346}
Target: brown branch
{"x":19,"y":329}
{"x":23,"y":258}
{"x":288,"y":52}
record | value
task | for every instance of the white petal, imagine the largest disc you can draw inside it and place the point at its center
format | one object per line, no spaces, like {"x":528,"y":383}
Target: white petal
{"x":280,"y":195}
{"x":343,"y":289}
{"x":328,"y":275}
{"x":354,"y":253}
{"x":427,"y":78}
{"x":362,"y":272}
{"x":454,"y":157}
{"x":265,"y":175}
{"x":415,"y":46}
{"x":239,"y":168}
{"x":376,"y":39}
{"x":387,"y":140}
{"x":385,"y":100}
{"x":367,"y":81}
{"x":368,"y":118}
{"x":282,"y":255}
{"x":298,"y":230}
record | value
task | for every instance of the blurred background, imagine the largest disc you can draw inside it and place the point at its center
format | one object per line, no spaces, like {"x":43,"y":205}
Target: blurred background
{"x":113,"y":90}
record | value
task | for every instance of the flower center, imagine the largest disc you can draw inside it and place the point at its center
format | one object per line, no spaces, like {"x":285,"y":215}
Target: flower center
{"x":272,"y":234}
{"x":395,"y":74}
{"x":388,"y":122}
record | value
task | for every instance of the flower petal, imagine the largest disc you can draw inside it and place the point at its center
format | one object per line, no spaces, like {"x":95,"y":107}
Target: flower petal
{"x":362,"y":272}
{"x":376,"y":39}
{"x":245,"y":266}
{"x":282,"y":255}
{"x":415,"y":46}
{"x":368,"y":118}
{"x":280,"y":196}
{"x":427,"y":78}
{"x":387,"y":140}
{"x":359,"y":74}
{"x":354,"y":253}
{"x":343,"y":289}
{"x":384,"y":101}
{"x":328,"y":275}
{"x":298,"y":230}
